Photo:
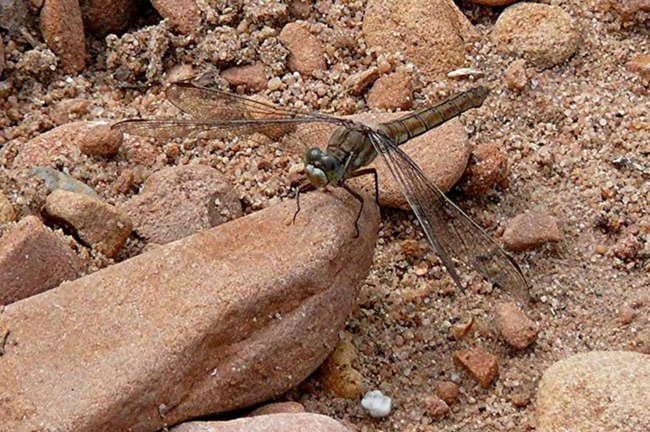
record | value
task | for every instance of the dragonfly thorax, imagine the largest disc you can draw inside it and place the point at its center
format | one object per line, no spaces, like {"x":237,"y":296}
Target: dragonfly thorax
{"x":323,"y":168}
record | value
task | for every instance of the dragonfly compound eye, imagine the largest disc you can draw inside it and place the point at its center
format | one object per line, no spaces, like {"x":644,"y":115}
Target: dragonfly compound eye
{"x":329,"y":163}
{"x":313,"y":155}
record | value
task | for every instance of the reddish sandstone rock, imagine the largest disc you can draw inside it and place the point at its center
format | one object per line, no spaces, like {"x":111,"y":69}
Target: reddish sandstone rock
{"x":305,"y":422}
{"x":63,"y":31}
{"x":250,"y":76}
{"x":530,"y":230}
{"x":278,"y":408}
{"x":479,"y":364}
{"x":390,"y":92}
{"x":431,"y":34}
{"x":98,"y":224}
{"x":180,"y":201}
{"x":33,"y":259}
{"x":307,"y":53}
{"x":221,"y":320}
{"x":515,"y":327}
{"x":183,"y":15}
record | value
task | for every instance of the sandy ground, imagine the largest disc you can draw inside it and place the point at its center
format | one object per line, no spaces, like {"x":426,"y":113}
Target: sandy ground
{"x":564,"y":135}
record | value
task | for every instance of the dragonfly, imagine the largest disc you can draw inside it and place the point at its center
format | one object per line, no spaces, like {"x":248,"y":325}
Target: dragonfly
{"x":352,"y":146}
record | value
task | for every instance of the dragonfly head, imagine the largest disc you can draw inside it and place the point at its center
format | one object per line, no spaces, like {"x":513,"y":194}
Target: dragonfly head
{"x":322,"y":168}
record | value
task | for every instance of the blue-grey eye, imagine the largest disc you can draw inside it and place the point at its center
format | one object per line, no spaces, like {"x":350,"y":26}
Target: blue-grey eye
{"x":313,"y":155}
{"x":328,"y":163}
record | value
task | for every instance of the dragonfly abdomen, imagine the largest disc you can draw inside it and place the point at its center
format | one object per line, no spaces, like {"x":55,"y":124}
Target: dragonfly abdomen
{"x":425,"y":119}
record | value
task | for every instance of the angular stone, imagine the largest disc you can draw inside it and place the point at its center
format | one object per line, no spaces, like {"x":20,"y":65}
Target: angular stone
{"x":639,"y":64}
{"x":516,"y":76}
{"x":479,"y":364}
{"x":515,"y":327}
{"x":180,"y":201}
{"x":436,"y":407}
{"x":98,"y":224}
{"x":214,"y":322}
{"x":431,"y":34}
{"x":54,"y":179}
{"x":278,"y":408}
{"x":33,"y":259}
{"x":544,"y":35}
{"x":357,"y":83}
{"x":487,"y":167}
{"x":65,"y":142}
{"x":530,"y":230}
{"x":183,"y":15}
{"x":390,"y":92}
{"x":599,"y":391}
{"x":307,"y":53}
{"x":63,"y":31}
{"x":250,"y":76}
{"x":102,"y":17}
{"x":268,"y":423}
{"x":102,"y":141}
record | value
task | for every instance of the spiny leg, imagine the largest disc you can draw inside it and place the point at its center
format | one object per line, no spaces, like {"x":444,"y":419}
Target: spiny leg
{"x":367,"y":171}
{"x":360,"y":198}
{"x":306,"y":186}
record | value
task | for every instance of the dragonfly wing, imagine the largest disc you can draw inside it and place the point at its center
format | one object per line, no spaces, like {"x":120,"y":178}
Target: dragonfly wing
{"x":450,"y":231}
{"x":293,"y":135}
{"x":209,"y":104}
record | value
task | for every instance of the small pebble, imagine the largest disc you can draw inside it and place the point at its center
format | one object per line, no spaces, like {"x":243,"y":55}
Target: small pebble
{"x":57,"y":180}
{"x":626,"y":314}
{"x":376,"y":403}
{"x":448,"y":392}
{"x":515,"y":76}
{"x":479,"y":364}
{"x":307,"y":55}
{"x":7,"y":212}
{"x":435,"y":406}
{"x":252,"y":76}
{"x":390,"y":92}
{"x":530,"y":230}
{"x":515,"y":327}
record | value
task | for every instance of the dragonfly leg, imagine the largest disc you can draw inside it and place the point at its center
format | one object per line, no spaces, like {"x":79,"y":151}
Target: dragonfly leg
{"x":306,"y":186}
{"x":367,"y":171}
{"x":360,"y":198}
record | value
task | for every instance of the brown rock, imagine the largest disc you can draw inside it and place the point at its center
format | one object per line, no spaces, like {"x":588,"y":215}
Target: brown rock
{"x":7,"y":212}
{"x":487,"y":167}
{"x":307,"y":53}
{"x":102,"y":17}
{"x":599,"y":391}
{"x":442,"y":154}
{"x":530,"y":230}
{"x":640,"y":65}
{"x":435,"y":406}
{"x":493,"y":2}
{"x":214,"y":322}
{"x":63,"y":31}
{"x":542,"y":34}
{"x":251,"y":76}
{"x":515,"y":76}
{"x":65,"y":142}
{"x":278,"y":408}
{"x":390,"y":92}
{"x":448,"y":392}
{"x":479,"y":364}
{"x":628,"y":247}
{"x":32,"y":260}
{"x":338,"y":374}
{"x":515,"y":327}
{"x":183,"y":15}
{"x":462,"y":328}
{"x":357,"y":83}
{"x":268,"y":423}
{"x":97,"y":223}
{"x":103,"y":141}
{"x":180,"y":201}
{"x":69,"y":110}
{"x":431,"y":34}
{"x":520,"y":399}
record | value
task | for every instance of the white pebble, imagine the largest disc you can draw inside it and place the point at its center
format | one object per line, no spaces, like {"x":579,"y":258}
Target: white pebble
{"x":376,"y":403}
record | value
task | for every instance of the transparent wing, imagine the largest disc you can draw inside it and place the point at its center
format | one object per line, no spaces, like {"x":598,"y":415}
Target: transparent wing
{"x":450,"y":231}
{"x":223,"y":115}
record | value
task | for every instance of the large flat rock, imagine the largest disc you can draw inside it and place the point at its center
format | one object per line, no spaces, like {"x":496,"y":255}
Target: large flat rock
{"x":220,"y":320}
